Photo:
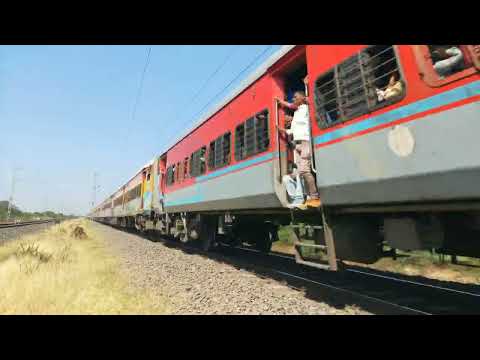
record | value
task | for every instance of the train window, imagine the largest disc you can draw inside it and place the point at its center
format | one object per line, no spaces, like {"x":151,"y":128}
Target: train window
{"x":447,"y":59}
{"x":177,"y":172}
{"x":219,"y":152}
{"x":185,"y":168}
{"x":442,"y":64}
{"x":170,"y":177}
{"x":226,"y":146}
{"x":211,"y":155}
{"x":180,"y":172}
{"x":202,"y":161}
{"x":240,"y":142}
{"x":261,"y":131}
{"x":137,"y":191}
{"x":134,"y":193}
{"x":197,"y":162}
{"x":252,"y":137}
{"x":117,"y":201}
{"x":367,"y":81}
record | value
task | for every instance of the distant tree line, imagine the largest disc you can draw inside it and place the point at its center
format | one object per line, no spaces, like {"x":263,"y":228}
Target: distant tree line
{"x":17,"y":214}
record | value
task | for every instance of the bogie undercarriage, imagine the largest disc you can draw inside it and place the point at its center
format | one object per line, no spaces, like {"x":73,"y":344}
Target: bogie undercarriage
{"x":321,"y":238}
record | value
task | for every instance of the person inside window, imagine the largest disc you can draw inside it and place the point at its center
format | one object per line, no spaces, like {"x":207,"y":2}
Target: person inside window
{"x":300,"y":129}
{"x":447,"y":59}
{"x":393,"y":89}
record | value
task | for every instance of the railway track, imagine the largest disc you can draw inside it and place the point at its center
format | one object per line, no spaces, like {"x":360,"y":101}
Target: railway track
{"x":374,"y":291}
{"x":23,"y":223}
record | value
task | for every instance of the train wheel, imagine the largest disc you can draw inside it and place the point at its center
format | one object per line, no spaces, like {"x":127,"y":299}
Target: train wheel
{"x":265,"y":240}
{"x":208,"y":235}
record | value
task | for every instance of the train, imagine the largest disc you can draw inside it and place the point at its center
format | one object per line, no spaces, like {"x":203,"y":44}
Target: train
{"x":397,"y":172}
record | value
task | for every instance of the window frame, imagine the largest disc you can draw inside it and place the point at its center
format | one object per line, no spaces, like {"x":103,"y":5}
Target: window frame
{"x":186,"y":170}
{"x":211,"y":155}
{"x":193,"y":168}
{"x":170,"y":176}
{"x":428,"y":74}
{"x":267,"y":127}
{"x":240,"y":148}
{"x":116,"y":201}
{"x":180,"y":172}
{"x":177,"y":173}
{"x":321,"y":123}
{"x":217,"y":147}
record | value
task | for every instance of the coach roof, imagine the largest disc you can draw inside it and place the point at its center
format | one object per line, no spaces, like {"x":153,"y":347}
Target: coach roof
{"x":259,"y":72}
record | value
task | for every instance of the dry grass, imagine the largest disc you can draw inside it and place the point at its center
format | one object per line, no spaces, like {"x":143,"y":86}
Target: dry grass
{"x":61,"y":271}
{"x":426,"y":265}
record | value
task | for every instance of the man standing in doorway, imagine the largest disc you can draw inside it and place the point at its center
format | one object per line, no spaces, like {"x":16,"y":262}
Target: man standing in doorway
{"x":292,"y":181}
{"x":300,"y":129}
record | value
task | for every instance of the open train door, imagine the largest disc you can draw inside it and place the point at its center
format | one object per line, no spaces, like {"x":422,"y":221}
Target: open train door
{"x":147,"y":189}
{"x":161,"y":182}
{"x":291,"y":75}
{"x":288,"y":75}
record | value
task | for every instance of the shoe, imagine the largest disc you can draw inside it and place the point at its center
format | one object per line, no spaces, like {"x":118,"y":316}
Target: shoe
{"x":302,"y":206}
{"x":295,"y":204}
{"x":314,"y":203}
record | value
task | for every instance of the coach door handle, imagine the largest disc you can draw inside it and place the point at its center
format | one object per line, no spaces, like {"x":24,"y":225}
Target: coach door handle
{"x":278,"y":142}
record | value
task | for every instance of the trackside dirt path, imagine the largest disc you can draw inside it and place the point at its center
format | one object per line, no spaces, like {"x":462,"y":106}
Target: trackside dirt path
{"x":195,"y":284}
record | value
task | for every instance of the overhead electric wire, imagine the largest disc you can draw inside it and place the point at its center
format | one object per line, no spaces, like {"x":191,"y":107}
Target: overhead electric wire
{"x":139,"y":92}
{"x":140,"y":88}
{"x":229,"y":55}
{"x":234,"y":79}
{"x":250,"y":64}
{"x":212,"y":75}
{"x":137,"y":100}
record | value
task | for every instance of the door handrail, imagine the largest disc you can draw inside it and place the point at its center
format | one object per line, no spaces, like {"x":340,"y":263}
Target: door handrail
{"x":278,"y":141}
{"x":312,"y":148}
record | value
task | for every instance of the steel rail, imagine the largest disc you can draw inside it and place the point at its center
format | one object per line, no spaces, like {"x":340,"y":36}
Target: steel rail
{"x":24,"y":223}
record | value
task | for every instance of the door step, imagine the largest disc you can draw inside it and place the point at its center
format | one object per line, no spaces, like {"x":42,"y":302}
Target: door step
{"x":327,"y":248}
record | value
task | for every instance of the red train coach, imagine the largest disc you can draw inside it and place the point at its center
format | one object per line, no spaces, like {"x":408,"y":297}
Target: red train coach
{"x":395,"y":169}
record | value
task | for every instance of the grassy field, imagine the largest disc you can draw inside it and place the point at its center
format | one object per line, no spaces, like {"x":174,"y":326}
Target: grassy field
{"x":66,"y":271}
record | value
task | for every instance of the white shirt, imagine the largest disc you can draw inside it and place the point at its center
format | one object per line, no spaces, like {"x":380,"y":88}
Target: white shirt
{"x":300,"y":127}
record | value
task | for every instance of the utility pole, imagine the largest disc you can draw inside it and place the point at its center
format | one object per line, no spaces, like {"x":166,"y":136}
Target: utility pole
{"x":12,"y":192}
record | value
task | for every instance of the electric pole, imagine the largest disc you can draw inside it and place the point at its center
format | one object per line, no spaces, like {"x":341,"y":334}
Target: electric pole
{"x":12,"y":192}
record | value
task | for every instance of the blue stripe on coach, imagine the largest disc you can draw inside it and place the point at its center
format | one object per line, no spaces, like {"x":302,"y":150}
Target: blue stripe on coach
{"x":448,"y":97}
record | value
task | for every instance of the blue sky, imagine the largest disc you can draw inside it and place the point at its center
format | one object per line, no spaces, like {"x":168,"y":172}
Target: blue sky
{"x":66,"y":111}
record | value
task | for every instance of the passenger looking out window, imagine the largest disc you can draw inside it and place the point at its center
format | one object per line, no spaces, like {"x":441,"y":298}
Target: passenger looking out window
{"x":300,"y":129}
{"x":393,"y":89}
{"x":447,"y":59}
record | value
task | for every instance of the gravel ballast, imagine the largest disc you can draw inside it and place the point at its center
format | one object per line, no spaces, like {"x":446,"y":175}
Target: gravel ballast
{"x":196,"y":284}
